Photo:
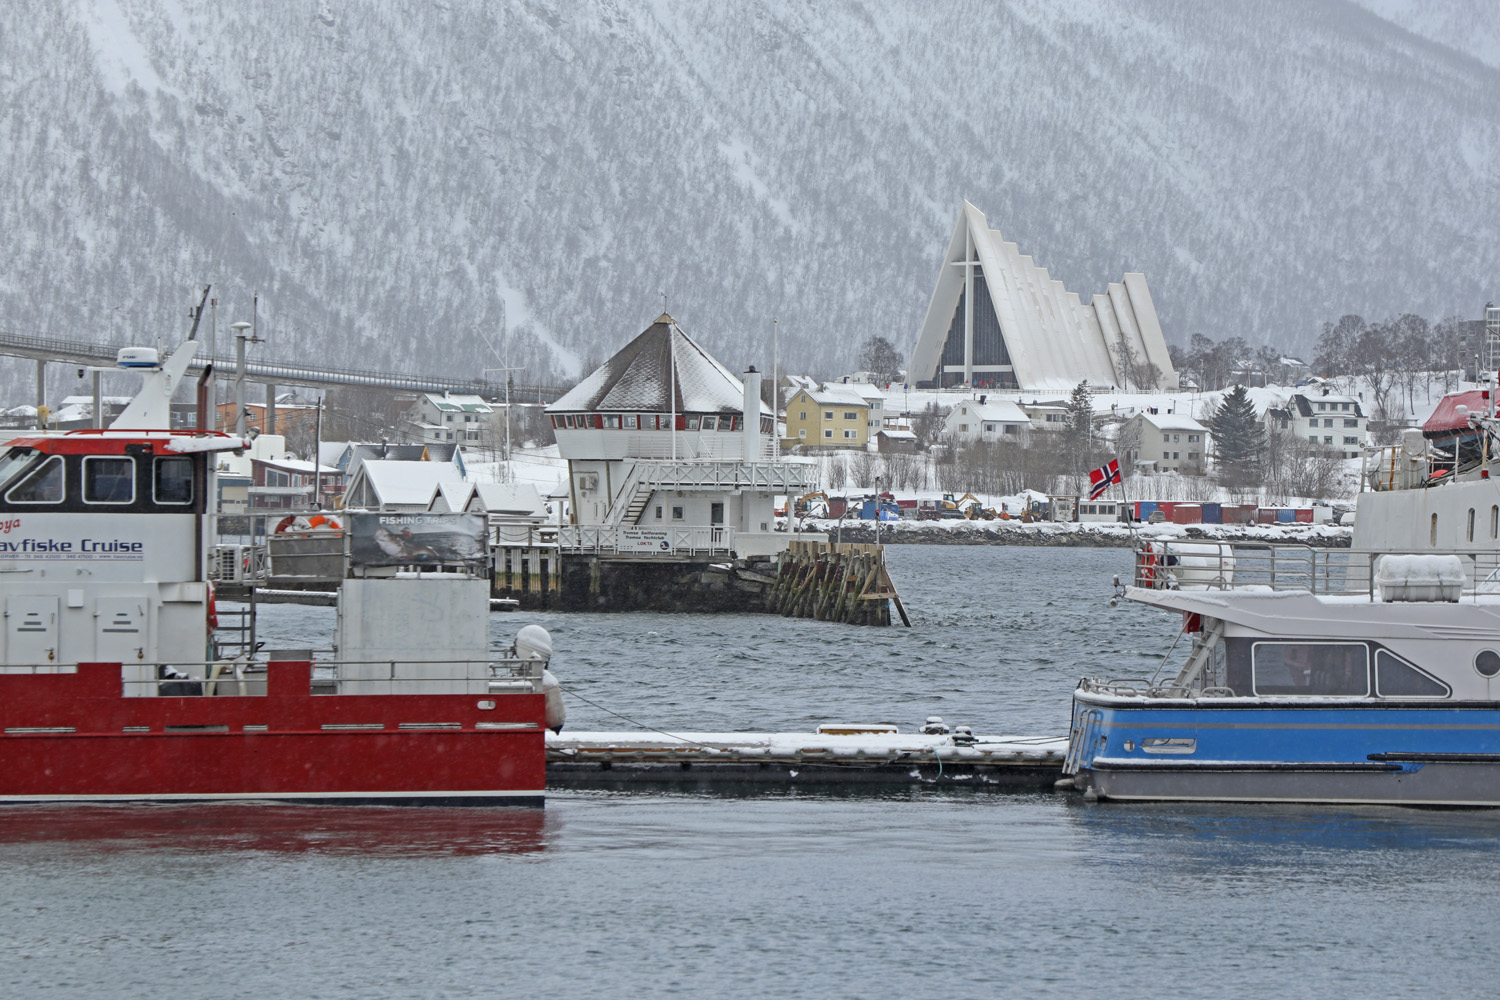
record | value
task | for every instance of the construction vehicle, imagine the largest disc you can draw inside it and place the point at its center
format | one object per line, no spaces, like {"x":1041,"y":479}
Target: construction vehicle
{"x":975,"y":512}
{"x":803,"y":505}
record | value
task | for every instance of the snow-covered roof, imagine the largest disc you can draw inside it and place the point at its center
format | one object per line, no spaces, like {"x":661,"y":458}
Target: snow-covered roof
{"x":330,"y":452}
{"x":1001,"y":410}
{"x":454,"y":494}
{"x":639,"y":378}
{"x":868,"y":392}
{"x":1307,"y":403}
{"x":834,"y":394}
{"x":405,"y":483}
{"x":458,"y":403}
{"x":896,"y":434}
{"x":290,"y":464}
{"x":1052,"y":338}
{"x":509,"y":498}
{"x":1173,"y":422}
{"x":800,"y":381}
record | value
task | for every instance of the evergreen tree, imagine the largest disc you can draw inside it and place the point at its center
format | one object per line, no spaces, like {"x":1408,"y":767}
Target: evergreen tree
{"x":1080,"y":431}
{"x":1239,"y":438}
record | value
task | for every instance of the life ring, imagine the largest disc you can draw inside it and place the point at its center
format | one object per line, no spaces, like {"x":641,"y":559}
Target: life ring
{"x":1146,"y":564}
{"x":213,"y":608}
{"x":286,"y":523}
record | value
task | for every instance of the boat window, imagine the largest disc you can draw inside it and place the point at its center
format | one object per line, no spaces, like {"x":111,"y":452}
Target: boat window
{"x":1471,"y":524}
{"x":1395,"y":678}
{"x":108,"y":480}
{"x":1432,"y":532}
{"x":1495,"y":522}
{"x":14,"y":461}
{"x":1487,"y":662}
{"x":174,"y":480}
{"x":43,"y":485}
{"x":1311,"y":668}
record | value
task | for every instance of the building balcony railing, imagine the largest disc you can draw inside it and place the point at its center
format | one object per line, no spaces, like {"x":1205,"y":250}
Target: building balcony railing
{"x":662,"y":543}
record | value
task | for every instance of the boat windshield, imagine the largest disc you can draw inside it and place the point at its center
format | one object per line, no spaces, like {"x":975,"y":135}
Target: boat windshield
{"x":12,"y":462}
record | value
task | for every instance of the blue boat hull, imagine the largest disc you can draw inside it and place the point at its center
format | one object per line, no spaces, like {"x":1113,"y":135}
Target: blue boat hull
{"x":1240,"y":750}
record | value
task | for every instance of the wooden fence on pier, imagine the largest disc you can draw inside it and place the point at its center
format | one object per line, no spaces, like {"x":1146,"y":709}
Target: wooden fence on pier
{"x":835,"y":582}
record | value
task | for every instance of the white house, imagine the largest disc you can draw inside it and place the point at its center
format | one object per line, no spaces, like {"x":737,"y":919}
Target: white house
{"x":1337,"y":422}
{"x":985,"y":420}
{"x":1170,"y":442}
{"x":1048,"y":415}
{"x":450,"y":418}
{"x":657,"y":438}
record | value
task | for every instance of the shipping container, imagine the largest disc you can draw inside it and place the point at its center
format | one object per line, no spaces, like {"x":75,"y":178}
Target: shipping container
{"x":1303,"y":515}
{"x":1187,"y":513}
{"x":1213,"y":513}
{"x":1144,"y":509}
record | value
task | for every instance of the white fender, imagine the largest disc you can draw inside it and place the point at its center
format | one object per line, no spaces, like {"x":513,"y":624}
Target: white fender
{"x":552,"y":692}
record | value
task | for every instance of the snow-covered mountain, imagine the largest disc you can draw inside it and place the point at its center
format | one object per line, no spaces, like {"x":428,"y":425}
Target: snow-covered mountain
{"x":403,"y":181}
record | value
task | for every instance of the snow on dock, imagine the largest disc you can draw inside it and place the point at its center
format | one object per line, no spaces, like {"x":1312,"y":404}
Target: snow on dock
{"x":836,"y":755}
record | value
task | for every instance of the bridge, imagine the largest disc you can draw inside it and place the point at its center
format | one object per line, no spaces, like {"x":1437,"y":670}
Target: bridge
{"x":86,"y":354}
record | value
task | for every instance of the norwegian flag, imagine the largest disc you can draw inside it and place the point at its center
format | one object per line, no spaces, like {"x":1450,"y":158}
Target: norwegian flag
{"x":1102,"y":478}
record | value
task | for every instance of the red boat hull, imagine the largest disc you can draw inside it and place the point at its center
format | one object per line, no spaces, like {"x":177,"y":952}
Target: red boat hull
{"x":74,"y":737}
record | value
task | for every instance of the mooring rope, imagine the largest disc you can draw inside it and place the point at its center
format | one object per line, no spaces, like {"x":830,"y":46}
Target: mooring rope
{"x":635,"y":722}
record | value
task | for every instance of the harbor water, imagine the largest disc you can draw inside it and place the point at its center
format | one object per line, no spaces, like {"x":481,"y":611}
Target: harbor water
{"x":766,"y":894}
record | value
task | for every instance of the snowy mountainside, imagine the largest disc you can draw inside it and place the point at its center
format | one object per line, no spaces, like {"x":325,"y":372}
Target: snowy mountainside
{"x":401,"y":182}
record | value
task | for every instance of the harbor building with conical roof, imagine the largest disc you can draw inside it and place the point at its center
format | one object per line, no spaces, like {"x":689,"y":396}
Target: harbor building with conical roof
{"x":669,"y":452}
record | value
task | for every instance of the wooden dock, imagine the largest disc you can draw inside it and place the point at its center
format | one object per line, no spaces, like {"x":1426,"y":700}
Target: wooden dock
{"x":835,"y":757}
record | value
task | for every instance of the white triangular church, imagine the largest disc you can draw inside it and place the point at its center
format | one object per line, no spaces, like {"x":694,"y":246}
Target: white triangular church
{"x":999,"y":321}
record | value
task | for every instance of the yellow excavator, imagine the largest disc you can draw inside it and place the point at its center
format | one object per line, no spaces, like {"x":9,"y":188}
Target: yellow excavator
{"x":802,"y":506}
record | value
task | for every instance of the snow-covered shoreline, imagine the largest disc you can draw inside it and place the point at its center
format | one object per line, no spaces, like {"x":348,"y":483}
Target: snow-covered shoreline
{"x":1100,"y":534}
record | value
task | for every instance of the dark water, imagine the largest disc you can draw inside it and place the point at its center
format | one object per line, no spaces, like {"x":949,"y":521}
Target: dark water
{"x":908,"y":895}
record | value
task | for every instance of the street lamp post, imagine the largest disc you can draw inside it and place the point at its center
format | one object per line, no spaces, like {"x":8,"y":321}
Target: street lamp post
{"x":239,"y":372}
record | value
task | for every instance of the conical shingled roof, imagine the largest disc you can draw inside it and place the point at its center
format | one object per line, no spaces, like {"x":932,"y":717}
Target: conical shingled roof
{"x":638,"y":378}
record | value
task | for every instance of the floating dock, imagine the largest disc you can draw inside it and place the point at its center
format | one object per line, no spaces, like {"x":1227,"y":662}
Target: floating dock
{"x":835,"y":756}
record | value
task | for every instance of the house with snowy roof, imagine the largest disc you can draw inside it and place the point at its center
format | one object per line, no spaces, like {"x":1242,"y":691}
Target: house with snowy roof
{"x":450,"y":418}
{"x":401,"y":487}
{"x":1166,"y":442}
{"x":984,"y":419}
{"x":832,"y":415}
{"x":660,"y":450}
{"x":1325,"y":418}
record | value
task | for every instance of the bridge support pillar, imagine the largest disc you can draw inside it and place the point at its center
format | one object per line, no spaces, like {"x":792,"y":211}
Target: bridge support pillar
{"x":270,"y":423}
{"x":98,"y":403}
{"x":41,"y":394}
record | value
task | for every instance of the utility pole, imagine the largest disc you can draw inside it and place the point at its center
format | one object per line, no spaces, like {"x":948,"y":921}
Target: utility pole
{"x":776,"y":391}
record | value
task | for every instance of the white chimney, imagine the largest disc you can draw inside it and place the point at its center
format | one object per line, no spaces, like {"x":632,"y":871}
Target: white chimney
{"x":752,"y":415}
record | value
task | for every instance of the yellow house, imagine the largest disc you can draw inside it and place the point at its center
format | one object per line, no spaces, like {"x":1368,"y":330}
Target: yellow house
{"x":831,"y":416}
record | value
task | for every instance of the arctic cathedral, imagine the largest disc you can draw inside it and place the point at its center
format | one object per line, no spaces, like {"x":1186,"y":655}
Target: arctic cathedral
{"x":998,"y":320}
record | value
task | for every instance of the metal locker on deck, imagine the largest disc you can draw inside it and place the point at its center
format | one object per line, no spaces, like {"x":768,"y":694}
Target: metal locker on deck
{"x":31,"y":631}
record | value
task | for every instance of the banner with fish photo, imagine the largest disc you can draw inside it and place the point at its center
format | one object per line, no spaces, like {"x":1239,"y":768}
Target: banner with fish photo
{"x":417,"y":539}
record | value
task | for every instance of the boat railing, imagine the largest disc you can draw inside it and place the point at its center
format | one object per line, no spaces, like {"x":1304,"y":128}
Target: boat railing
{"x":1205,"y":565}
{"x":394,"y":676}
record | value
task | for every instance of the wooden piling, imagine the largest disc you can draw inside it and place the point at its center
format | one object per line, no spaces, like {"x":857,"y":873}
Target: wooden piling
{"x":832,"y":582}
